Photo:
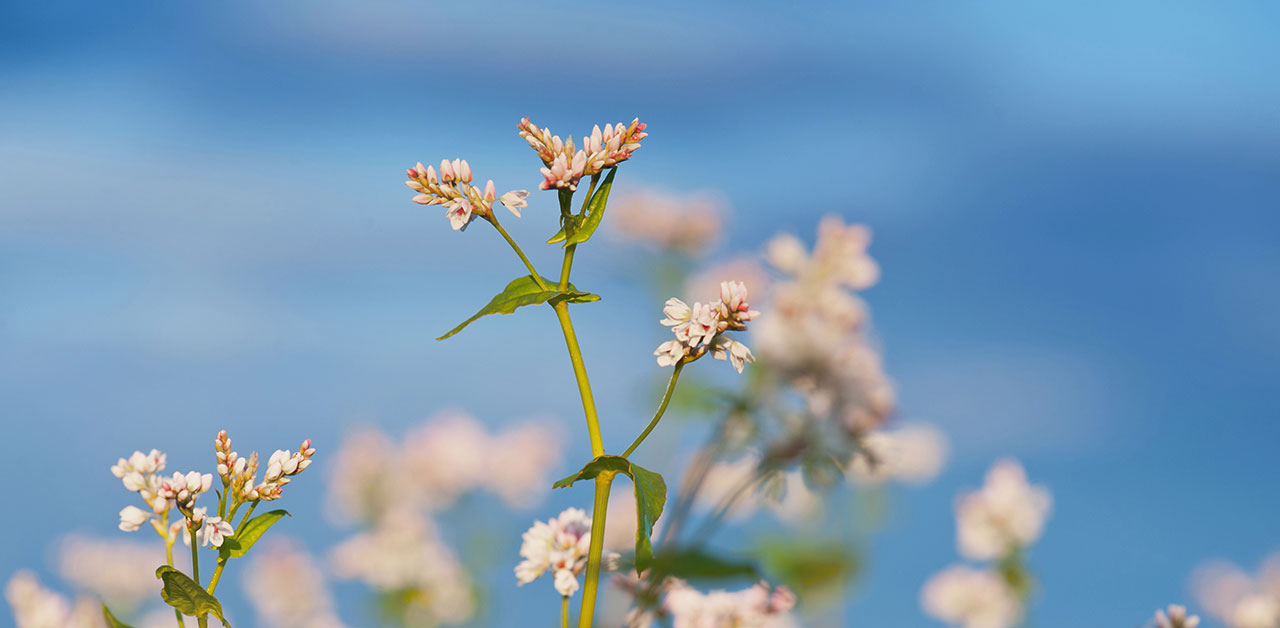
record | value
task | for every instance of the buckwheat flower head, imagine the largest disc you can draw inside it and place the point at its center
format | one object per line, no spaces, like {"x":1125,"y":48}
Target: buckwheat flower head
{"x":132,"y":518}
{"x":686,"y":224}
{"x":119,"y":572}
{"x":912,"y":454}
{"x":287,"y":588}
{"x":1007,"y":513}
{"x":37,"y":607}
{"x":1176,"y":617}
{"x":140,"y":474}
{"x":558,"y":546}
{"x":699,"y":328}
{"x":564,"y":165}
{"x":212,"y":531}
{"x":1239,"y":599}
{"x":971,"y":598}
{"x":755,"y":607}
{"x":185,"y":489}
{"x":453,"y":189}
{"x":737,"y":353}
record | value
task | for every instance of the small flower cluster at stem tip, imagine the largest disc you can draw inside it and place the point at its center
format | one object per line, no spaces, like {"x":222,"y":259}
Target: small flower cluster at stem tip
{"x":140,"y":473}
{"x":559,"y":546}
{"x":564,"y":165}
{"x":1176,"y":617}
{"x":701,"y":327}
{"x":452,"y":188}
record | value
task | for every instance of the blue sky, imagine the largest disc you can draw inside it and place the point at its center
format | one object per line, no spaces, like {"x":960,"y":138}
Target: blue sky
{"x":202,"y":225}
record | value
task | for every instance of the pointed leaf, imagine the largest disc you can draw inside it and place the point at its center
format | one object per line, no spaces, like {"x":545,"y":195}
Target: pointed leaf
{"x":188,"y":597}
{"x":235,"y":546}
{"x":650,"y":492}
{"x":595,"y":211}
{"x":112,"y":622}
{"x":520,"y":292}
{"x":697,"y":564}
{"x":558,"y":237}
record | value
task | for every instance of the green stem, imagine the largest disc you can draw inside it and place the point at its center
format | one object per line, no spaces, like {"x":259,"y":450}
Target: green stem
{"x":201,"y":620}
{"x":516,"y":247}
{"x":592,"y":580}
{"x":662,"y":408}
{"x":222,"y":562}
{"x":580,"y":372}
{"x":168,"y":555}
{"x":564,"y":612}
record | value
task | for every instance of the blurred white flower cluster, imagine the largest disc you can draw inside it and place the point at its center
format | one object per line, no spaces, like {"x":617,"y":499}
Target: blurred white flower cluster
{"x":452,"y":188}
{"x":395,"y":489}
{"x":287,"y":588}
{"x":434,"y":464}
{"x":37,"y":607}
{"x":558,"y":546}
{"x":998,"y":522}
{"x":700,"y":328}
{"x":564,"y":165}
{"x":754,"y":607}
{"x":120,"y":573}
{"x":688,"y":224}
{"x":1239,"y":599}
{"x":1175,"y":617}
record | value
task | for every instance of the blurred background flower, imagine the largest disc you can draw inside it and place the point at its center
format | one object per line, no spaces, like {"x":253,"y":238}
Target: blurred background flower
{"x":202,"y":226}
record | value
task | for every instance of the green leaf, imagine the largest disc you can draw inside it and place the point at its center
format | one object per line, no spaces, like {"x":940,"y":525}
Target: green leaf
{"x":112,"y":622}
{"x":521,"y":292}
{"x":813,"y":566}
{"x":595,"y":211}
{"x":188,"y":597}
{"x":249,"y":533}
{"x":697,"y":564}
{"x":650,"y":492}
{"x":558,"y":237}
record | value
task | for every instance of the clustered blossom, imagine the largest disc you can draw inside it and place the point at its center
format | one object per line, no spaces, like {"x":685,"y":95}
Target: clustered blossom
{"x":140,"y":474}
{"x":558,"y":546}
{"x":565,"y":165}
{"x":452,"y":188}
{"x":701,"y":327}
{"x":403,"y":553}
{"x":1176,"y":617}
{"x":287,"y":588}
{"x":994,"y":523}
{"x":116,"y":571}
{"x":439,"y":461}
{"x":1239,"y":599}
{"x":1005,"y":515}
{"x":755,"y":607}
{"x":911,"y":454}
{"x":37,"y":607}
{"x":815,"y":337}
{"x":972,"y":598}
{"x":688,"y":224}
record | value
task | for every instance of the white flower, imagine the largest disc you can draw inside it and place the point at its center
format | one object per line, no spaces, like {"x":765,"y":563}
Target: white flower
{"x":120,"y":572}
{"x":515,"y":200}
{"x":971,"y":598}
{"x":737,"y":353}
{"x":459,"y":213}
{"x":559,"y":545}
{"x":676,"y":312}
{"x":37,"y":607}
{"x":1006,"y":514}
{"x":688,"y":224}
{"x":786,"y":253}
{"x":287,"y":588}
{"x":670,"y":353}
{"x":755,"y":607}
{"x":132,"y":518}
{"x":1176,"y":617}
{"x":733,"y":302}
{"x":213,"y":530}
{"x":912,"y":454}
{"x":564,"y":171}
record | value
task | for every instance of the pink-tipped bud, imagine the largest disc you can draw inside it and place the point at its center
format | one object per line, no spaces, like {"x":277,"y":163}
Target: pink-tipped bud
{"x":489,"y":193}
{"x":464,"y":171}
{"x":431,"y":175}
{"x":446,"y":171}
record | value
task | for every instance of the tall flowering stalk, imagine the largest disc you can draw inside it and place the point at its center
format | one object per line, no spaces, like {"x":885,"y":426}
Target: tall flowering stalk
{"x":565,"y":547}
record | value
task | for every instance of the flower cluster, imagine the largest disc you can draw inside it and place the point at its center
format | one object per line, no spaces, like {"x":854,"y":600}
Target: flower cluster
{"x":911,"y":454}
{"x":1176,"y":617}
{"x":687,"y":224}
{"x":452,"y":188}
{"x":973,"y":598}
{"x":997,"y":522}
{"x":287,"y":588}
{"x":700,"y":328}
{"x":116,"y":571}
{"x":1006,"y":515}
{"x":757,"y":607}
{"x":404,"y":554}
{"x":558,"y":546}
{"x":140,"y":474}
{"x":37,"y":607}
{"x":564,"y":165}
{"x":1239,"y":599}
{"x":815,"y":337}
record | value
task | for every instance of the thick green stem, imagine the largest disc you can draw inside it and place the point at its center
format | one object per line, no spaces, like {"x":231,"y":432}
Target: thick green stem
{"x":662,"y":408}
{"x":516,"y":247}
{"x":592,"y":580}
{"x":580,"y":372}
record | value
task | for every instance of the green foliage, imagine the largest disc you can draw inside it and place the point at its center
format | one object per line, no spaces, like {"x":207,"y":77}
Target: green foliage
{"x":521,"y":292}
{"x":112,"y":622}
{"x":595,"y":212}
{"x":182,"y":593}
{"x":650,"y":493}
{"x":249,"y":533}
{"x":811,"y":566}
{"x":701,"y":565}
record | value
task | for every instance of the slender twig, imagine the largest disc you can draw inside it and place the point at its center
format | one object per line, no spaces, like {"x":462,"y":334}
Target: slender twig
{"x":201,"y":620}
{"x":564,"y":611}
{"x":662,"y":408}
{"x":222,"y":562}
{"x":516,"y":247}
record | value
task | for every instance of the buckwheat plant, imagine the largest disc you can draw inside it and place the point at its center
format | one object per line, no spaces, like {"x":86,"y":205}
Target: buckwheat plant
{"x":565,"y":547}
{"x":175,"y":498}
